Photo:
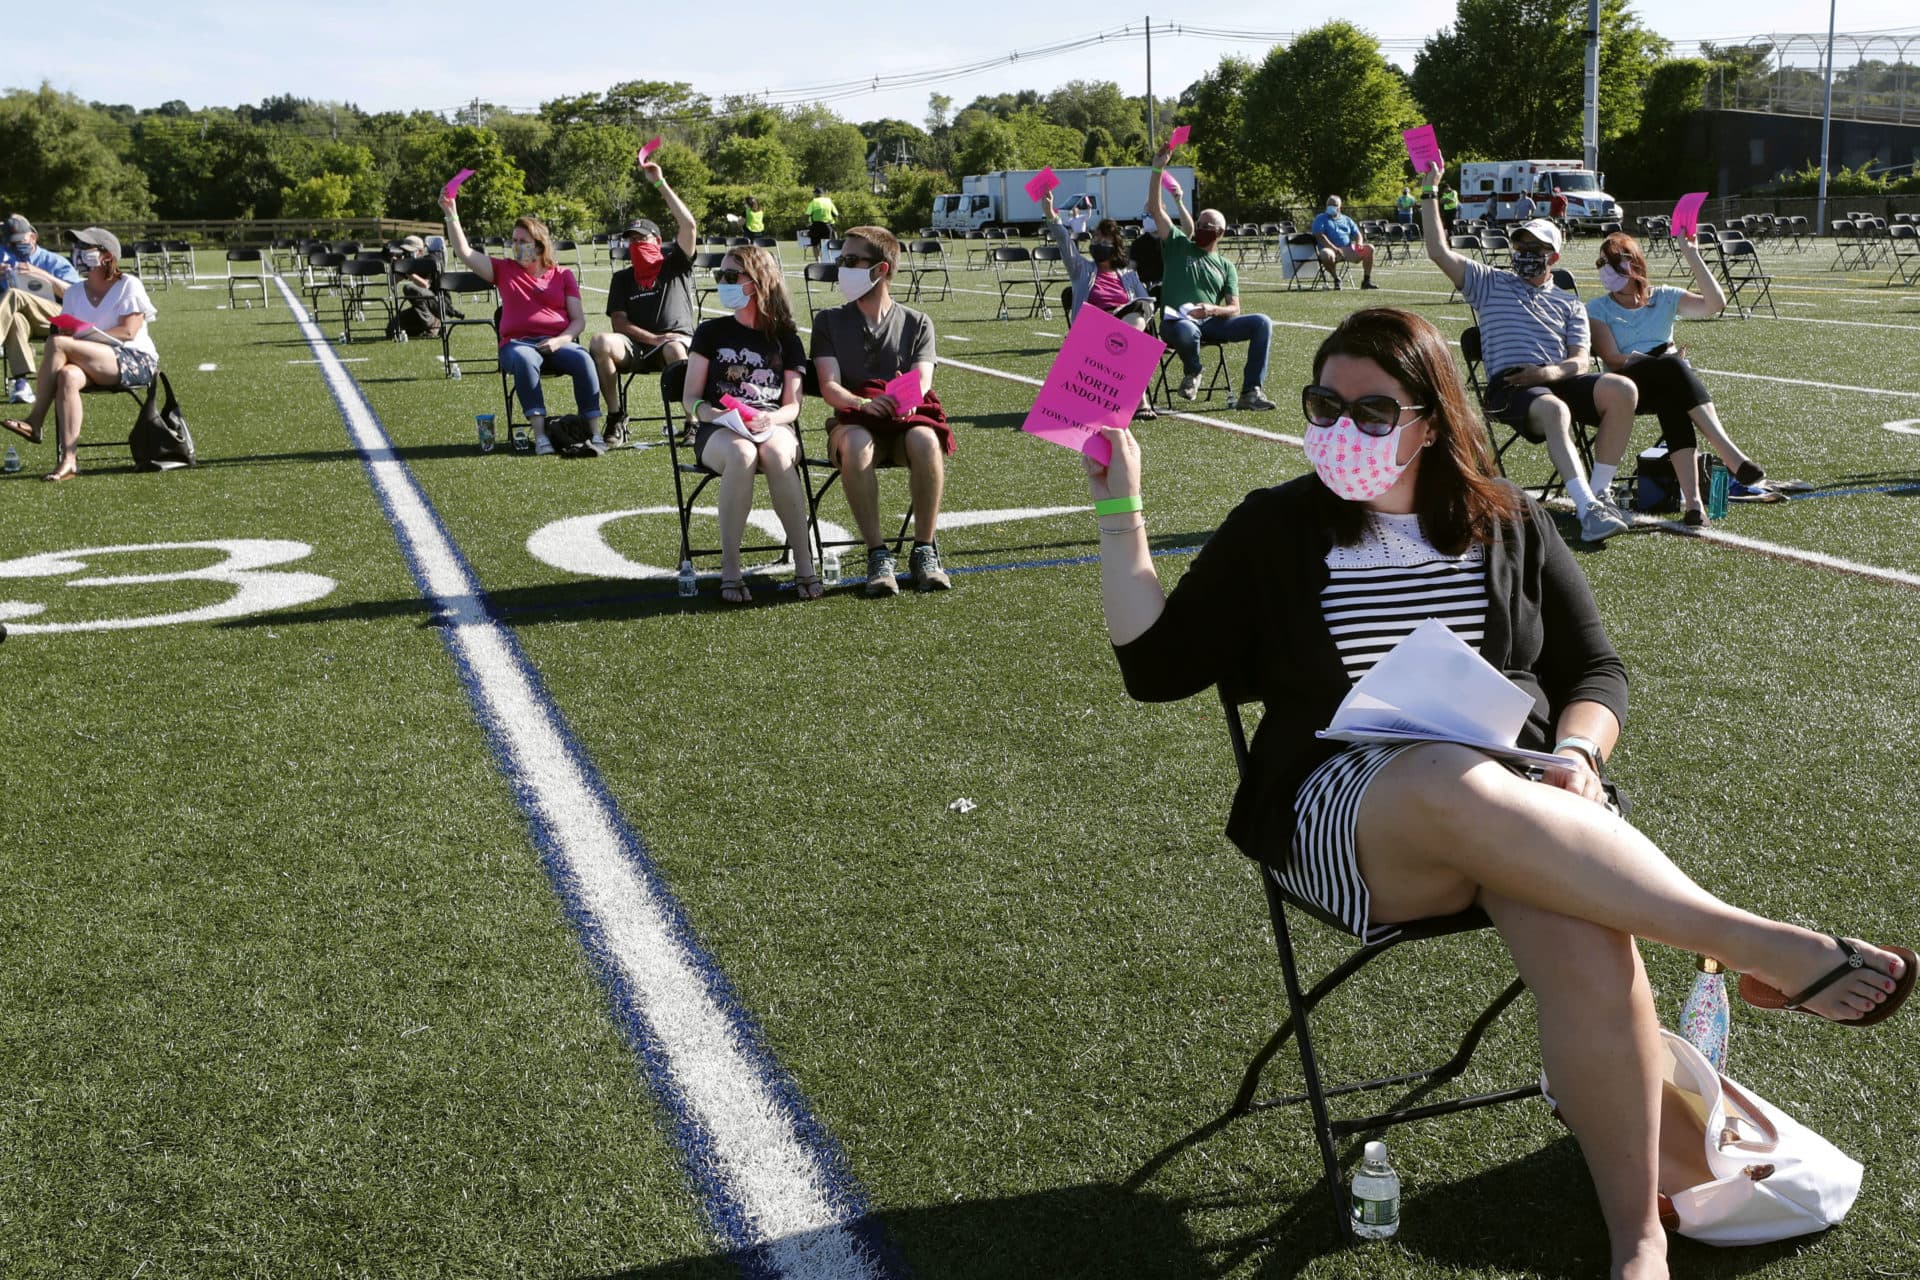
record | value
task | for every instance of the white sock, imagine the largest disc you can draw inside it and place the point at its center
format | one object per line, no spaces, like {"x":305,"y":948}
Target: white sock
{"x":1603,"y":473}
{"x":1581,"y":492}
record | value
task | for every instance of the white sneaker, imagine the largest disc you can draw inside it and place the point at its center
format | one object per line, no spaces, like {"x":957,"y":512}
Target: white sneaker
{"x":21,"y":392}
{"x":542,"y":447}
{"x":1189,"y":387}
{"x":1601,"y":521}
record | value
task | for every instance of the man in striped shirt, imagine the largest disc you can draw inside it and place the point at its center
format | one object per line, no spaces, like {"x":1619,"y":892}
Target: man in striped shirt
{"x":1534,"y":340}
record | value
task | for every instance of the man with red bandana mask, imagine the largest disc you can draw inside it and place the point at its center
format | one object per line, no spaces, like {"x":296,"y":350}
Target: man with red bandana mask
{"x":1200,"y":297}
{"x":650,"y":304}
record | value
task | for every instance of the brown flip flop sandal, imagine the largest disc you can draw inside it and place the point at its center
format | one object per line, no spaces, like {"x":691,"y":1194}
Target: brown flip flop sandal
{"x":22,"y":430}
{"x":1762,"y":996}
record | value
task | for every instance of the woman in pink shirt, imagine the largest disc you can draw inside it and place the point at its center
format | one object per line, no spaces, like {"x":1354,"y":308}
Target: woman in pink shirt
{"x":541,"y":319}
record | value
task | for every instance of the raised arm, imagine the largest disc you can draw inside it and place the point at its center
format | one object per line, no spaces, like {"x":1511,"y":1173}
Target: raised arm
{"x":682,"y":216}
{"x":1156,"y":203}
{"x":1711,"y":299}
{"x":1434,"y":231}
{"x":477,"y":262}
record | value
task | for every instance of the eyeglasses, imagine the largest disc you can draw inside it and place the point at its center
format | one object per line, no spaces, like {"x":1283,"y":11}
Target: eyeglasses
{"x":1374,"y":415}
{"x":855,"y":260}
{"x":727,"y":275}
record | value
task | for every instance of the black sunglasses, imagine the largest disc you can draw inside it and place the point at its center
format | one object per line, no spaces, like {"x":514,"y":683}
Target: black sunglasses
{"x":727,"y":275}
{"x":1374,"y":415}
{"x":855,"y":260}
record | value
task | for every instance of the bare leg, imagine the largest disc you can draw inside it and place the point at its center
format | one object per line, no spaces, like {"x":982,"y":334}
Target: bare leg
{"x":1686,"y":474}
{"x":1550,"y":415}
{"x":789,"y":497}
{"x":734,"y":458}
{"x":1600,"y":1045}
{"x":604,"y":368}
{"x":1443,"y":823}
{"x":854,"y":446}
{"x":927,"y":480}
{"x":1708,"y":422}
{"x":1616,"y":398}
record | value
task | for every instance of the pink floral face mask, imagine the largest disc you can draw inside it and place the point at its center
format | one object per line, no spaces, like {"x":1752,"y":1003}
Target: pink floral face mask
{"x":1355,"y":465}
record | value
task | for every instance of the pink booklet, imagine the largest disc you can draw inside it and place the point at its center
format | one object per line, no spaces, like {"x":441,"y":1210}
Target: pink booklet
{"x":906,"y":393}
{"x":1096,"y":381}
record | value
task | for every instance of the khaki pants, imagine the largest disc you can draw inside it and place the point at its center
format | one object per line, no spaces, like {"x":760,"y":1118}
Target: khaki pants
{"x":24,"y":317}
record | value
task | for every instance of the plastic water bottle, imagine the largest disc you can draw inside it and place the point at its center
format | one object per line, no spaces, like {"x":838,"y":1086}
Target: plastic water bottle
{"x":1717,"y":479}
{"x":689,"y":585}
{"x":1704,"y":1018}
{"x":12,"y":464}
{"x":1375,"y":1197}
{"x":829,"y":570}
{"x":483,"y":423}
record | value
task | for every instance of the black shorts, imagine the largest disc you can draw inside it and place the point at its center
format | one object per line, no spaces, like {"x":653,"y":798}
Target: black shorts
{"x":1512,"y":404}
{"x":820,"y":232}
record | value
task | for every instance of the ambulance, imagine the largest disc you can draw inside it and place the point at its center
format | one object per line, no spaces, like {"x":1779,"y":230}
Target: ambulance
{"x":1490,"y":189}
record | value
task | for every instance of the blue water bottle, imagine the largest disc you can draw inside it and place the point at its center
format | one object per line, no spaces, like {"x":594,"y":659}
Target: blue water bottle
{"x":1717,"y":479}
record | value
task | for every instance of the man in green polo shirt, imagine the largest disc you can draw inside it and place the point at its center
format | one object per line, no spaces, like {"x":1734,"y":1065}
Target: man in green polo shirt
{"x":1200,"y":297}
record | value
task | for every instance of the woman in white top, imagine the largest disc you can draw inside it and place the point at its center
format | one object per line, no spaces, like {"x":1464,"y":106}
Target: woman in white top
{"x":108,"y":347}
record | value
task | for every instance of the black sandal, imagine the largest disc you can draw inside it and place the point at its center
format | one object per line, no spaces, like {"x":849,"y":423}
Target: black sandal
{"x":809,"y":586}
{"x":738,"y":586}
{"x":1762,"y":996}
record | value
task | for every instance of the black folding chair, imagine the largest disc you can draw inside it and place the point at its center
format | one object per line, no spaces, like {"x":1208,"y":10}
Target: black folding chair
{"x":1301,"y":1003}
{"x":1903,"y":238}
{"x":1004,"y":259}
{"x":820,"y":273}
{"x":365,"y":283}
{"x":1477,"y":379}
{"x":1741,"y":269}
{"x":242,"y":284}
{"x":704,"y":265}
{"x":479,"y":297}
{"x":691,"y":477}
{"x":927,"y":258}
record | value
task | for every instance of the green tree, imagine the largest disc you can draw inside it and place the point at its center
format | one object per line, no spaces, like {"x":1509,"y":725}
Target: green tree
{"x":323,"y":197}
{"x":490,"y":200}
{"x":1655,"y":160}
{"x":594,"y":165}
{"x":688,"y":173}
{"x":753,"y":162}
{"x":1087,"y":105}
{"x":827,"y":151}
{"x":1228,"y":176}
{"x":1505,"y":81}
{"x":1344,"y":109}
{"x":889,"y":138}
{"x":985,"y":146}
{"x":57,"y":167}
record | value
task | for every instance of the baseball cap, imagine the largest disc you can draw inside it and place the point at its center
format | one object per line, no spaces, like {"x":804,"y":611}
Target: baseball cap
{"x":413,"y":245}
{"x":1543,"y":231}
{"x":18,"y":226}
{"x":644,"y":227}
{"x":99,"y":238}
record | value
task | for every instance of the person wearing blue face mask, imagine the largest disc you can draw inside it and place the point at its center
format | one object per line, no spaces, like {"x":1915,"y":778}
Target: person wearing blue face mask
{"x":743,"y":391}
{"x":1341,"y":240}
{"x":33,"y":283}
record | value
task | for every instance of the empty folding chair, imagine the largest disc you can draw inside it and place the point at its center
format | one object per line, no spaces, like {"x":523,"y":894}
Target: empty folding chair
{"x":180,"y":260}
{"x":1496,"y":250}
{"x":928,"y":258}
{"x":705,"y":263}
{"x":1850,"y":247}
{"x":820,"y":273}
{"x":1903,"y":242}
{"x":322,"y":279}
{"x":1049,"y":269}
{"x":464,"y":300}
{"x":365,"y":284}
{"x":1013,"y":271}
{"x":1746,"y":277}
{"x":150,"y":263}
{"x":246,"y":275}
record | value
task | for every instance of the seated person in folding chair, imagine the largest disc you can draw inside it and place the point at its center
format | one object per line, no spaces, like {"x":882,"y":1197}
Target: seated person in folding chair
{"x":1633,"y":335}
{"x":1303,"y":588}
{"x":541,"y":320}
{"x":416,"y":312}
{"x":1200,"y":279}
{"x":1341,"y":240}
{"x":649,"y":304}
{"x":754,"y":358}
{"x":117,"y":307}
{"x":33,"y":283}
{"x":859,"y":347}
{"x":1535,"y":338}
{"x":1101,"y":276}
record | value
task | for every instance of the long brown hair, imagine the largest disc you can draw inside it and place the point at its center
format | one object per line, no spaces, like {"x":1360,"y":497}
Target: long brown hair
{"x":772,"y":311}
{"x":1111,"y":230}
{"x":1458,"y":496}
{"x":1622,"y":252}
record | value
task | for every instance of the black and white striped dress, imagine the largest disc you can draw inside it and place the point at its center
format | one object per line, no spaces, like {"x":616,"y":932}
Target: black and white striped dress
{"x":1377,"y":591}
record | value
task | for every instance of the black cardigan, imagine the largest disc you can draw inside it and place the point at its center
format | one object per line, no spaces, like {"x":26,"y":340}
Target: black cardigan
{"x":1247,"y":616}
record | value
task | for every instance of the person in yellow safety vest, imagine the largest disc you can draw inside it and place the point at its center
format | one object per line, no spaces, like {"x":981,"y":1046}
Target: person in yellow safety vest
{"x":821,"y":215}
{"x":756,"y":217}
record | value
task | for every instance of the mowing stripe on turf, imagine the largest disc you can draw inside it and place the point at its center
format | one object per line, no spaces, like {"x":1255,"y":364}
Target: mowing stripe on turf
{"x":773,"y":1184}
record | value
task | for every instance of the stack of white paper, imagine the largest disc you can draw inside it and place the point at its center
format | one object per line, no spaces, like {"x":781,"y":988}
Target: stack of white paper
{"x":732,"y":421}
{"x":1431,"y":687}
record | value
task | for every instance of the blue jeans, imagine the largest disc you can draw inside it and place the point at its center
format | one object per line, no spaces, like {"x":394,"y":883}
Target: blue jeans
{"x":524,"y":362}
{"x":1184,"y":336}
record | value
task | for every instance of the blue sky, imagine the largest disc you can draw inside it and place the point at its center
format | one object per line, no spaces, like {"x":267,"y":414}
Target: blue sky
{"x":383,"y":56}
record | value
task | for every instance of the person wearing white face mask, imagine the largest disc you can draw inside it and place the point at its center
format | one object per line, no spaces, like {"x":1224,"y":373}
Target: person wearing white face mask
{"x":33,"y":283}
{"x":541,"y":320}
{"x":109,"y":345}
{"x":858,"y":348}
{"x":746,"y":368}
{"x":1303,"y":588}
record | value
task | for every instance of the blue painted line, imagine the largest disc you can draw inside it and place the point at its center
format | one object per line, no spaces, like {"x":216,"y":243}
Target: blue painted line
{"x":725,"y":1211}
{"x":644,"y":597}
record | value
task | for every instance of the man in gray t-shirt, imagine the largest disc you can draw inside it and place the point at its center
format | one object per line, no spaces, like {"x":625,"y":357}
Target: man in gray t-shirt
{"x":857,"y":349}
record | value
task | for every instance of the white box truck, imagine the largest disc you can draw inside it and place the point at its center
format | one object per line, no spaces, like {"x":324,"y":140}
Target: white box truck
{"x":1490,"y":189}
{"x":1000,"y":199}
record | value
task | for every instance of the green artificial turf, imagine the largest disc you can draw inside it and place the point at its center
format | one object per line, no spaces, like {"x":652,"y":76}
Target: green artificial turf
{"x":284,"y":989}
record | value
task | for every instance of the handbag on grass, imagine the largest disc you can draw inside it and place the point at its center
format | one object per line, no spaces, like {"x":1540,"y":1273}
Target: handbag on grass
{"x":1734,"y":1168}
{"x":160,"y":440}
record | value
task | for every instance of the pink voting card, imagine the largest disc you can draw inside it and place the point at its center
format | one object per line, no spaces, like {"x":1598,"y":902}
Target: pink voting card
{"x":906,"y":393}
{"x":1178,"y":138}
{"x":648,"y":147}
{"x":1170,"y":182}
{"x":1422,"y":147}
{"x":1686,"y":214}
{"x":69,"y":324}
{"x":1041,"y":183}
{"x":453,"y":186}
{"x":746,"y":411}
{"x":1103,"y":368}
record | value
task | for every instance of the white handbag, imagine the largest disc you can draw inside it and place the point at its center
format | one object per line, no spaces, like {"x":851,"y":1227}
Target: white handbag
{"x":1734,"y":1168}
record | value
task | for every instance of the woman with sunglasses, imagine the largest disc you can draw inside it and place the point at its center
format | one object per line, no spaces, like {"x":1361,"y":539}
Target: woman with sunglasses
{"x":1103,"y":277}
{"x":1632,"y":325}
{"x":745,"y":369}
{"x":541,"y":320}
{"x":1303,"y":588}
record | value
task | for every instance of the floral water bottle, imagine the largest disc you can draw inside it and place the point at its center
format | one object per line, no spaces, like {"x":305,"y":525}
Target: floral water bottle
{"x":1375,"y":1195}
{"x":1704,"y":1018}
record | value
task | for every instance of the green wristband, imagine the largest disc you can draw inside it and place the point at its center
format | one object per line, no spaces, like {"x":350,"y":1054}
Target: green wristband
{"x":1117,"y":506}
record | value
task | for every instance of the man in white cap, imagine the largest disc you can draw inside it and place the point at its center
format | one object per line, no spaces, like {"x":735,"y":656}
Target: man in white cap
{"x":33,"y":282}
{"x":1535,"y":345}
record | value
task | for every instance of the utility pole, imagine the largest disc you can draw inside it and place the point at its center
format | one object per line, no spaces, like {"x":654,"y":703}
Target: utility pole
{"x":1826,"y":125}
{"x":1590,"y":125}
{"x":1151,"y":148}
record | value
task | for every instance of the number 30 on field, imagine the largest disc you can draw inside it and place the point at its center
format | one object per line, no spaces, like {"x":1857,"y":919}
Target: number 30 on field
{"x":243,"y":565}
